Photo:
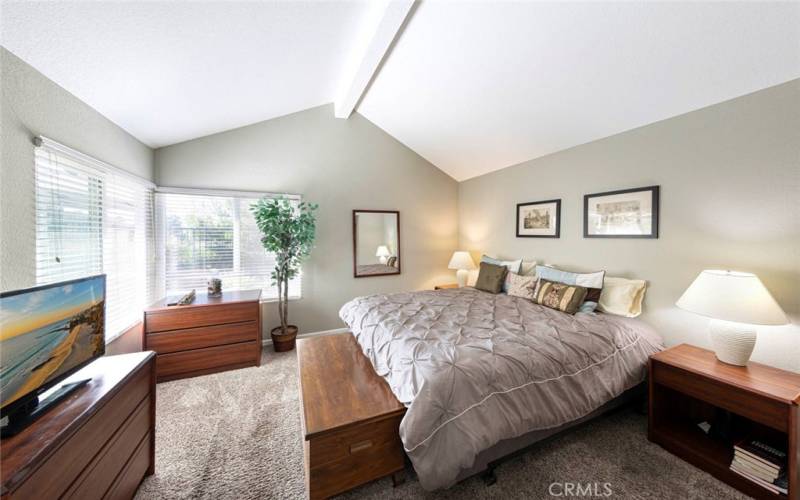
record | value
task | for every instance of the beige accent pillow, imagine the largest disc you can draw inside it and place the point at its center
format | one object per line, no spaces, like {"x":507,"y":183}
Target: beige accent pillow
{"x":622,"y":297}
{"x":521,"y":286}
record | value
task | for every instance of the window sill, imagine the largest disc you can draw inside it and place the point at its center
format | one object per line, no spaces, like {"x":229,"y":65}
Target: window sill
{"x":275,"y":299}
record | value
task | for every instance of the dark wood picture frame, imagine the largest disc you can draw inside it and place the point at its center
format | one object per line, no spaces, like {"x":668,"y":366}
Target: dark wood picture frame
{"x":655,"y":197}
{"x":558,"y":219}
{"x":355,"y":243}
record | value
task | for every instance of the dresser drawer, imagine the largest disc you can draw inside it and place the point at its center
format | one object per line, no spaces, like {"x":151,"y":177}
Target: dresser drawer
{"x":199,"y":361}
{"x":191,"y":317}
{"x":204,"y":336}
{"x":99,"y":475}
{"x":743,"y":402}
{"x":127,"y":482}
{"x":355,"y":440}
{"x":51,"y":479}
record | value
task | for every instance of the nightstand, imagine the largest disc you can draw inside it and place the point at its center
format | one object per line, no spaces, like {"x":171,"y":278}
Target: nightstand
{"x":688,"y":385}
{"x":445,"y":286}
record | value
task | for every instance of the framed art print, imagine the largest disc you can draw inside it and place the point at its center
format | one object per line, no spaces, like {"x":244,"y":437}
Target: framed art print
{"x":629,"y":213}
{"x":539,"y":219}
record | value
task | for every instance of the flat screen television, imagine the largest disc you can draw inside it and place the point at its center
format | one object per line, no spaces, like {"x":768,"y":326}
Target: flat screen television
{"x":47,"y":333}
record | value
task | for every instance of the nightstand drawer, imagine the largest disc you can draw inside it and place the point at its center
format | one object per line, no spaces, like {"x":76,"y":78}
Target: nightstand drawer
{"x":748,"y":404}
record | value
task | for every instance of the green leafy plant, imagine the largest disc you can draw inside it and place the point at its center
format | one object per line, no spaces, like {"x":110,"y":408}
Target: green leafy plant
{"x":288,"y":232}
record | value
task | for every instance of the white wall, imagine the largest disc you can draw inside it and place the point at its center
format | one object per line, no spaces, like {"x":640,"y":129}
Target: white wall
{"x":33,"y":105}
{"x":341,"y":165}
{"x":730,"y":199}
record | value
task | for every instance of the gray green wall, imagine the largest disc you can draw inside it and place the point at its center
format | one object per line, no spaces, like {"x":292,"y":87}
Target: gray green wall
{"x":33,"y":105}
{"x":341,"y":165}
{"x":730,"y":198}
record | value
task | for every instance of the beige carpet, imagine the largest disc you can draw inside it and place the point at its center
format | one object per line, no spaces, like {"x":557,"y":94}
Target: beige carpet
{"x":236,"y":435}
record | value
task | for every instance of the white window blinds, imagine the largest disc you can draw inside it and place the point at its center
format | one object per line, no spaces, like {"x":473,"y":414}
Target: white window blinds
{"x":204,"y":234}
{"x":92,"y":218}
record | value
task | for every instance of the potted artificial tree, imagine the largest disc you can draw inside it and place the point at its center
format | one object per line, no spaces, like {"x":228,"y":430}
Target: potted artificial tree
{"x":287,"y":232}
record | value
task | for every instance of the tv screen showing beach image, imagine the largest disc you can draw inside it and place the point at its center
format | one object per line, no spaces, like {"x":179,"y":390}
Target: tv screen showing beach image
{"x":47,"y":332}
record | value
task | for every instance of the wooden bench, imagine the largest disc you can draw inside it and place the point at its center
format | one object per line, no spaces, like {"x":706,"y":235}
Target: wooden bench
{"x":350,"y":417}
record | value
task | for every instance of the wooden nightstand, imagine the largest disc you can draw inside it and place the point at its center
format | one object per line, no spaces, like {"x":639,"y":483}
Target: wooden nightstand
{"x":445,"y":286}
{"x":688,"y":385}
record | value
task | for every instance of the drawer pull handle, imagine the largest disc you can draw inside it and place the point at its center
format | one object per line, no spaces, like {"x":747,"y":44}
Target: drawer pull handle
{"x":363,"y":445}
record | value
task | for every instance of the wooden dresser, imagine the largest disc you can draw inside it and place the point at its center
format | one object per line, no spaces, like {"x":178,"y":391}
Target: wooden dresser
{"x":688,"y":385}
{"x":351,"y":419}
{"x":206,"y":336}
{"x":97,"y":443}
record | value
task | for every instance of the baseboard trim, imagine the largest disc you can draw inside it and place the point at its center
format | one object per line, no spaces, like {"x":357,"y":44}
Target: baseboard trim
{"x":268,"y":340}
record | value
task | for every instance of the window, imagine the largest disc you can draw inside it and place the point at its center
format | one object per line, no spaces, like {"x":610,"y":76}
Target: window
{"x":92,"y":218}
{"x":204,"y":234}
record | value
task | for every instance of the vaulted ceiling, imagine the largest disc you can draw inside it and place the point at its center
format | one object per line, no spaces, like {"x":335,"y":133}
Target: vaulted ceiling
{"x":471,"y":86}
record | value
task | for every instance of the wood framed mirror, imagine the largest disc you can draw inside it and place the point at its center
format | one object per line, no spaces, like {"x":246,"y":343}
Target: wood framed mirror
{"x":376,"y":243}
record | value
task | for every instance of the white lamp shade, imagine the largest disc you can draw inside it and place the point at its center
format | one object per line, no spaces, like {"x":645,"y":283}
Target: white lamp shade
{"x":461,"y":260}
{"x":732,"y":296}
{"x":383,"y":251}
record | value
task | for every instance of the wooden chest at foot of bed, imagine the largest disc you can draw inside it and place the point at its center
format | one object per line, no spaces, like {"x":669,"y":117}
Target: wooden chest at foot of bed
{"x":351,"y":419}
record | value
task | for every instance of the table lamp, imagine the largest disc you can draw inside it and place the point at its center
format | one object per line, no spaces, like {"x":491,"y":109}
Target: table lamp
{"x":735,"y":301}
{"x":463,"y":263}
{"x":383,"y":254}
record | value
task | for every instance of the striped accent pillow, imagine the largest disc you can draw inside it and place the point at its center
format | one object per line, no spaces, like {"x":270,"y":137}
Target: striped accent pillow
{"x":559,"y":296}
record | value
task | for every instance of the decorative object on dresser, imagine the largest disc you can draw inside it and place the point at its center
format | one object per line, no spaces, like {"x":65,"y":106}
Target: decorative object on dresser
{"x":210,"y":335}
{"x":376,"y":229}
{"x":734,"y":301}
{"x":628,"y":213}
{"x":288,"y":230}
{"x":98,"y":443}
{"x":350,"y":417}
{"x":689,"y":387}
{"x":214,"y":287}
{"x":539,"y":219}
{"x":463,"y":263}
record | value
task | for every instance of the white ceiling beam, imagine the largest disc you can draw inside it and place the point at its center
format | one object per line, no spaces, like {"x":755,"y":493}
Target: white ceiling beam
{"x":381,"y":26}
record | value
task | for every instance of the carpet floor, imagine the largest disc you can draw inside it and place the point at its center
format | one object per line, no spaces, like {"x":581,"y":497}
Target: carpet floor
{"x":236,"y":435}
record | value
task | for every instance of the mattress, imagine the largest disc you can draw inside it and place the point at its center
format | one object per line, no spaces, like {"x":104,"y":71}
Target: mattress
{"x":475,"y":368}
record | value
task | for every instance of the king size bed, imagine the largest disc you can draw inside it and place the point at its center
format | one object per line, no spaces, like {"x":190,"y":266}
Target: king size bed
{"x":482,"y":374}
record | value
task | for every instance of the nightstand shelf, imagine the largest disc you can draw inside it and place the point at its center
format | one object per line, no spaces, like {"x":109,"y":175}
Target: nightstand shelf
{"x":688,"y":385}
{"x":445,"y":286}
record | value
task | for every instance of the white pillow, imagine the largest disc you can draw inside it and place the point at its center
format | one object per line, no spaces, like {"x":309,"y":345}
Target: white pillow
{"x":528,"y":268}
{"x":622,"y":297}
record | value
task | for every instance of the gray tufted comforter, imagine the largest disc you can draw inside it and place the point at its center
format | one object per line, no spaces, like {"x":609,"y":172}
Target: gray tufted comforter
{"x":474,"y":368}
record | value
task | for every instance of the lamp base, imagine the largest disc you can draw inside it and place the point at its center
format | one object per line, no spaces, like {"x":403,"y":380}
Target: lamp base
{"x":461,"y":277}
{"x":733,"y":342}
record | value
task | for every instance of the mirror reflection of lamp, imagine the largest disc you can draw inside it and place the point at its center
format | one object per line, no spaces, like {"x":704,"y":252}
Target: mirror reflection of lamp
{"x":383,"y":254}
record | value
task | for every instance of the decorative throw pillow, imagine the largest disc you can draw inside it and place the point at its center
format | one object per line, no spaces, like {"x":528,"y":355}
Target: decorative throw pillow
{"x":593,"y":282}
{"x":560,"y":296}
{"x":513,"y":266}
{"x":490,"y":277}
{"x":521,"y":286}
{"x":392,"y":262}
{"x":622,"y":297}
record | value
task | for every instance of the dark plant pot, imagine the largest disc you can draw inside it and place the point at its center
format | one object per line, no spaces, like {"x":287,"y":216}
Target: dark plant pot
{"x":283,"y":342}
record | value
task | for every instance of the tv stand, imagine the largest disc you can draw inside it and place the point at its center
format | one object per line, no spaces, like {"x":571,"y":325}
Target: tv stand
{"x":96,"y":442}
{"x":34,"y":408}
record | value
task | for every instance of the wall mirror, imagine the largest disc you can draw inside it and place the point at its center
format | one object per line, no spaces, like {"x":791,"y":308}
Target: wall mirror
{"x":376,"y":243}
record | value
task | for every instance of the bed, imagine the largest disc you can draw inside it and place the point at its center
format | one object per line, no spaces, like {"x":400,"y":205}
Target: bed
{"x":375,"y":269}
{"x":481,"y":374}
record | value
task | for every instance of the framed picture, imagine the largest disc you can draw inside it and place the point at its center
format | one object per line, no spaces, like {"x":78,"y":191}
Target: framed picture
{"x":629,"y":213}
{"x":539,"y":219}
